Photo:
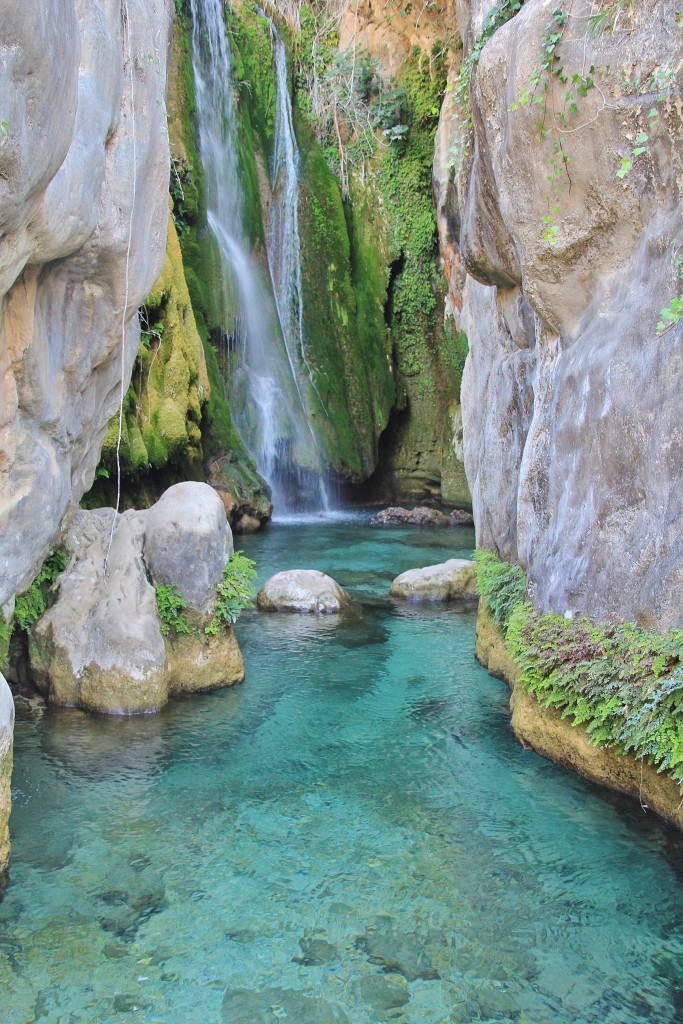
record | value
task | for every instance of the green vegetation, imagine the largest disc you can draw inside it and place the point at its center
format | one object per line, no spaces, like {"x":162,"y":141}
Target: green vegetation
{"x":171,"y":607}
{"x":234,"y":593}
{"x":672,"y":313}
{"x":343,"y":267}
{"x":405,"y":176}
{"x":169,"y":385}
{"x":496,"y":17}
{"x":624,"y":683}
{"x":252,"y":68}
{"x":29,"y":606}
{"x":501,"y":586}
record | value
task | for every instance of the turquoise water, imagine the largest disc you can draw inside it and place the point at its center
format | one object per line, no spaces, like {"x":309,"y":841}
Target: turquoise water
{"x":353,"y":835}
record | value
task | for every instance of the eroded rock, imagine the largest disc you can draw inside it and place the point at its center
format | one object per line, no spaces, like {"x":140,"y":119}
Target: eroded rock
{"x":100,"y":646}
{"x":573,"y":428}
{"x":244,"y":1006}
{"x":6,"y":733}
{"x":454,"y":580}
{"x":302,"y":590}
{"x":187,"y":541}
{"x":421,"y":516}
{"x":83,"y":214}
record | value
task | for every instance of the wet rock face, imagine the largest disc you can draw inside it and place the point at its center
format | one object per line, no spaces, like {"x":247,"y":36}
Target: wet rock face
{"x":573,"y":428}
{"x":6,"y":731}
{"x":83,"y":212}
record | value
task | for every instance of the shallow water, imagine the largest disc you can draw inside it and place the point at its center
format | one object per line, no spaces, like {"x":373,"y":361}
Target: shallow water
{"x":353,"y":835}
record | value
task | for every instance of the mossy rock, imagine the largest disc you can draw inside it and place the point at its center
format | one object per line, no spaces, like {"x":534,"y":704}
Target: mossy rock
{"x":344,"y":290}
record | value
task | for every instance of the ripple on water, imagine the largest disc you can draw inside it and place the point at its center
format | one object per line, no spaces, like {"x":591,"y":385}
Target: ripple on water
{"x":352,"y":835}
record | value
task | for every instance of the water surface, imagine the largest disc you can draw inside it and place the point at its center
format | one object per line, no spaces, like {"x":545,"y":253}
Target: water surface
{"x":353,"y":835}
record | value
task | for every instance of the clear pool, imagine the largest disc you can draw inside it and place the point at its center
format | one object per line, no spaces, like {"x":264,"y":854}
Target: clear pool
{"x":353,"y":835}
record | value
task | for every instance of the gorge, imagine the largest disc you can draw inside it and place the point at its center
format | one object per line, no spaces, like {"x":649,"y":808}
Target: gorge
{"x":321,"y":256}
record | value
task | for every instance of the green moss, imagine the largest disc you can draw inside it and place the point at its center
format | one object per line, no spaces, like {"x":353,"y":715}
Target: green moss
{"x":253,"y":71}
{"x":218,"y":430}
{"x":6,"y":629}
{"x":344,"y":282}
{"x":169,"y":382}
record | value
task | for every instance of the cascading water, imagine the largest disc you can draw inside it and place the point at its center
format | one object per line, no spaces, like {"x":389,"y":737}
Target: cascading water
{"x":267,"y":400}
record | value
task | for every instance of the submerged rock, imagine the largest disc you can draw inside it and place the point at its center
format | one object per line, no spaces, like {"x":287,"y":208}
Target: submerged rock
{"x":315,"y":952}
{"x":6,"y":733}
{"x":100,"y":647}
{"x":421,"y":516}
{"x":454,"y":580}
{"x":398,"y":952}
{"x":242,"y":1006}
{"x":302,"y":590}
{"x":384,"y":992}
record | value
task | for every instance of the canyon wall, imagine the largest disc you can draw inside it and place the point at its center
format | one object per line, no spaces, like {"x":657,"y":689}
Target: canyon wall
{"x":571,"y":220}
{"x":83,"y":213}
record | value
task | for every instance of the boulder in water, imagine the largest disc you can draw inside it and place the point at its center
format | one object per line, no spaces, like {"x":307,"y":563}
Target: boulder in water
{"x":421,"y":516}
{"x":187,"y":541}
{"x":302,"y":590}
{"x":454,"y":580}
{"x":100,"y":646}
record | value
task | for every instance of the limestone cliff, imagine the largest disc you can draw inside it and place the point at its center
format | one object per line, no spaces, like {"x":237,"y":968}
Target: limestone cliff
{"x":570,"y":213}
{"x":83,"y":209}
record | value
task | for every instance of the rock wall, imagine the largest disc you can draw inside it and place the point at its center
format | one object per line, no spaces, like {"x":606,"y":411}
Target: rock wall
{"x":83,"y":210}
{"x":573,"y":429}
{"x":6,"y":731}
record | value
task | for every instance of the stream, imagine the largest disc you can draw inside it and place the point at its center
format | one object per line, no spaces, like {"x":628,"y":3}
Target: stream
{"x":353,"y":835}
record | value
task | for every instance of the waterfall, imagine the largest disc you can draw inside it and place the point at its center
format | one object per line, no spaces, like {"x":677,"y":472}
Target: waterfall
{"x":266,"y":397}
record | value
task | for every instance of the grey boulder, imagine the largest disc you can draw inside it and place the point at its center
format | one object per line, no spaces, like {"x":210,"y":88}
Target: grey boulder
{"x":302,"y":590}
{"x":188,"y":542}
{"x":454,"y":580}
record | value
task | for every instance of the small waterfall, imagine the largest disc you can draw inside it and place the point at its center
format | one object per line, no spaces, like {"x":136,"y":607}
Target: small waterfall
{"x":266,"y":397}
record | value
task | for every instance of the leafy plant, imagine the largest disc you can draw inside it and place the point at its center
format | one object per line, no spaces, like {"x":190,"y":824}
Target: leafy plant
{"x":496,"y":17}
{"x":672,"y":313}
{"x":30,"y":605}
{"x":624,"y":683}
{"x":171,"y":606}
{"x":609,"y":16}
{"x":501,"y":585}
{"x":234,"y":593}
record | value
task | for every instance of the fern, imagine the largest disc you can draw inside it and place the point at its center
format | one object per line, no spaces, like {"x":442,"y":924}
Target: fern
{"x":501,"y":585}
{"x":30,"y":605}
{"x":234,"y":593}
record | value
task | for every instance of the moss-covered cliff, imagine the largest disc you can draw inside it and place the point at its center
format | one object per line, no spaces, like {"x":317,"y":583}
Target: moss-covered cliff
{"x":379,"y":373}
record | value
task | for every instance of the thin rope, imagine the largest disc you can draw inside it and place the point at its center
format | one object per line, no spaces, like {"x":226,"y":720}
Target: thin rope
{"x":126,"y":21}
